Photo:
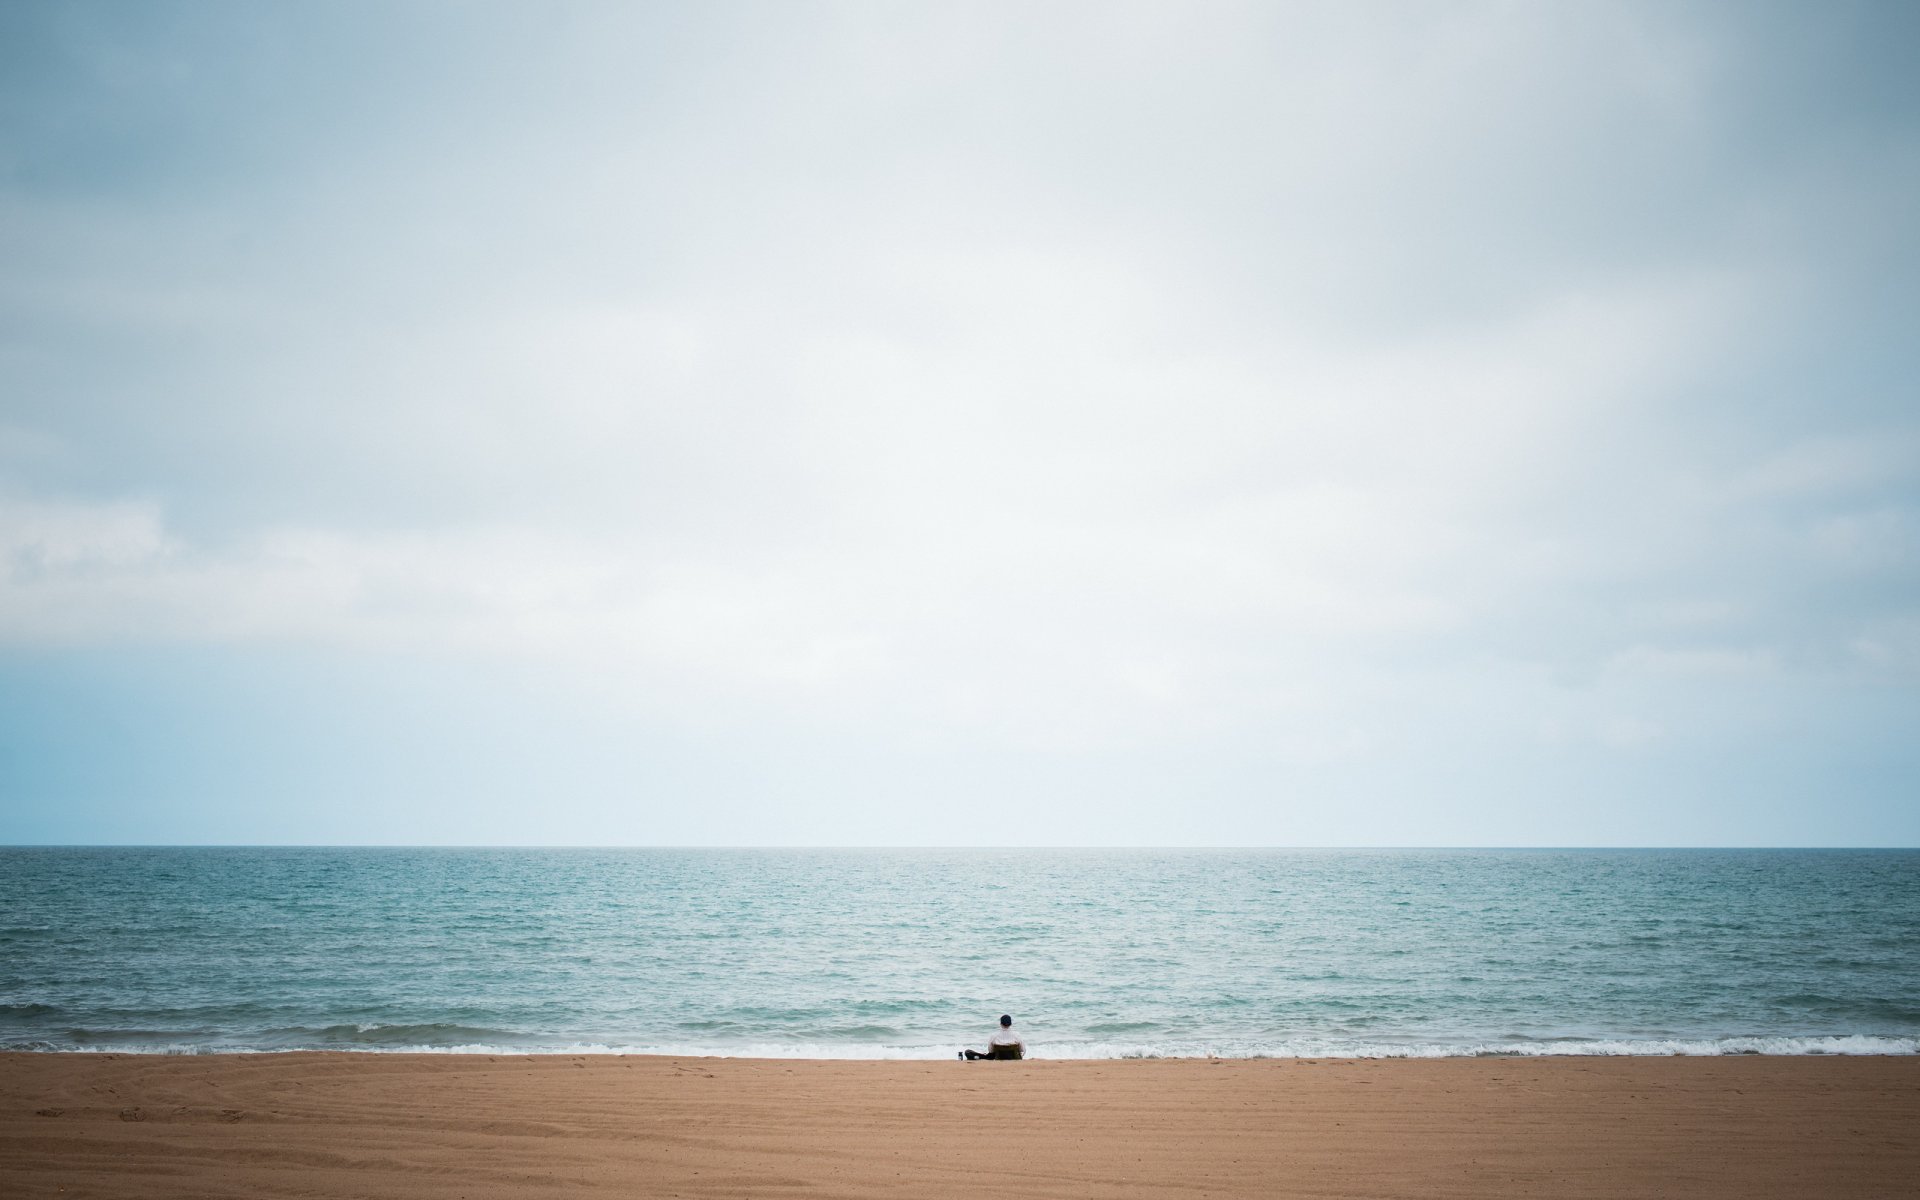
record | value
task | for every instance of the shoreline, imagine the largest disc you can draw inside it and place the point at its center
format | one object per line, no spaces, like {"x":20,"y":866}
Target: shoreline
{"x":351,"y":1123}
{"x":1755,"y":1046}
{"x":217,"y":1053}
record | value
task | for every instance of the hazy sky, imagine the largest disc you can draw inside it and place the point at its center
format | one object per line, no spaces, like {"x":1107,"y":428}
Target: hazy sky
{"x":1406,"y":423}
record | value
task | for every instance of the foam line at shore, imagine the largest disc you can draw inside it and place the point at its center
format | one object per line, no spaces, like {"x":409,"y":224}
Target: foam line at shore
{"x":1302,"y":1048}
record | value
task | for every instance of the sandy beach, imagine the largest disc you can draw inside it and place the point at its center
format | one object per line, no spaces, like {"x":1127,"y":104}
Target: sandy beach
{"x":472,"y":1126}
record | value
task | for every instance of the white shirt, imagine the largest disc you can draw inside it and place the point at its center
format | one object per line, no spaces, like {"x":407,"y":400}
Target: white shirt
{"x":1005,"y":1037}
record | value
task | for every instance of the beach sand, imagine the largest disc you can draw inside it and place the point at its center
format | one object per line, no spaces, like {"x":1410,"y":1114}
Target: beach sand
{"x":340,"y":1125}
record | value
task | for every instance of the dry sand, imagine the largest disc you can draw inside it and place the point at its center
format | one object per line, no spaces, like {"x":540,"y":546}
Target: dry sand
{"x":338,"y":1125}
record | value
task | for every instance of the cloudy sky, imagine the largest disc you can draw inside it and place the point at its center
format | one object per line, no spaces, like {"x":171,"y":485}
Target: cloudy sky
{"x":1272,"y":424}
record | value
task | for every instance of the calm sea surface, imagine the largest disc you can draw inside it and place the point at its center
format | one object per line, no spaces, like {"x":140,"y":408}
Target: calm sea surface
{"x":909,"y":953}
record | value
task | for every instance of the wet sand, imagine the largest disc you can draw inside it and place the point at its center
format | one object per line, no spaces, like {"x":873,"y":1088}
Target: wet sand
{"x":472,"y":1126}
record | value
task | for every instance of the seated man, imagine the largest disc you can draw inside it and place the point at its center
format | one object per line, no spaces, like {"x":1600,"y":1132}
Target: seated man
{"x":1005,"y":1043}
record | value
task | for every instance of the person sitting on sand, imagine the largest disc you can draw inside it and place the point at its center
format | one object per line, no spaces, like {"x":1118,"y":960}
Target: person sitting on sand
{"x":1005,"y":1043}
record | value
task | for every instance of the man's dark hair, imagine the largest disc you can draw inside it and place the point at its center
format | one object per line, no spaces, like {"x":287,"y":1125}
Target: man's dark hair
{"x":1005,"y":1021}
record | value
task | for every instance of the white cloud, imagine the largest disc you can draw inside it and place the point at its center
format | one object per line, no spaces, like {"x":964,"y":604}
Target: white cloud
{"x":1298,"y":382}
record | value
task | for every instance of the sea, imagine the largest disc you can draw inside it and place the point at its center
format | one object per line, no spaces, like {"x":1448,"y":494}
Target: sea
{"x":864,"y":953}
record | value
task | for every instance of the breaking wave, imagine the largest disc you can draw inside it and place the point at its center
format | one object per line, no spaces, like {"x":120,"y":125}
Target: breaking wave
{"x":459,"y":1039}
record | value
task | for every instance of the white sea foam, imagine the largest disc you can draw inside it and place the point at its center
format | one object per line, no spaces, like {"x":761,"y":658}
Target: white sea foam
{"x":1329,"y":1048}
{"x":1300,"y":1048}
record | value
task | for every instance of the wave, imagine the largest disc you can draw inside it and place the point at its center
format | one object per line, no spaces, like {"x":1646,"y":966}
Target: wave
{"x":1848,"y":1044}
{"x":437,"y":1036}
{"x":459,"y":1039}
{"x":376,"y":1036}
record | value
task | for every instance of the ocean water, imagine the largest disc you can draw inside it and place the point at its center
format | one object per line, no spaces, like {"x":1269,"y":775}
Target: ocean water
{"x":914,"y":953}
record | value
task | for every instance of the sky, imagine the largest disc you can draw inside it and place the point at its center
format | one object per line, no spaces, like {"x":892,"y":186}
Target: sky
{"x":960,"y":424}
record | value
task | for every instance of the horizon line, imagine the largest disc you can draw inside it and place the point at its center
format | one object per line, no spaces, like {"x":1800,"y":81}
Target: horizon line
{"x":902,"y":846}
